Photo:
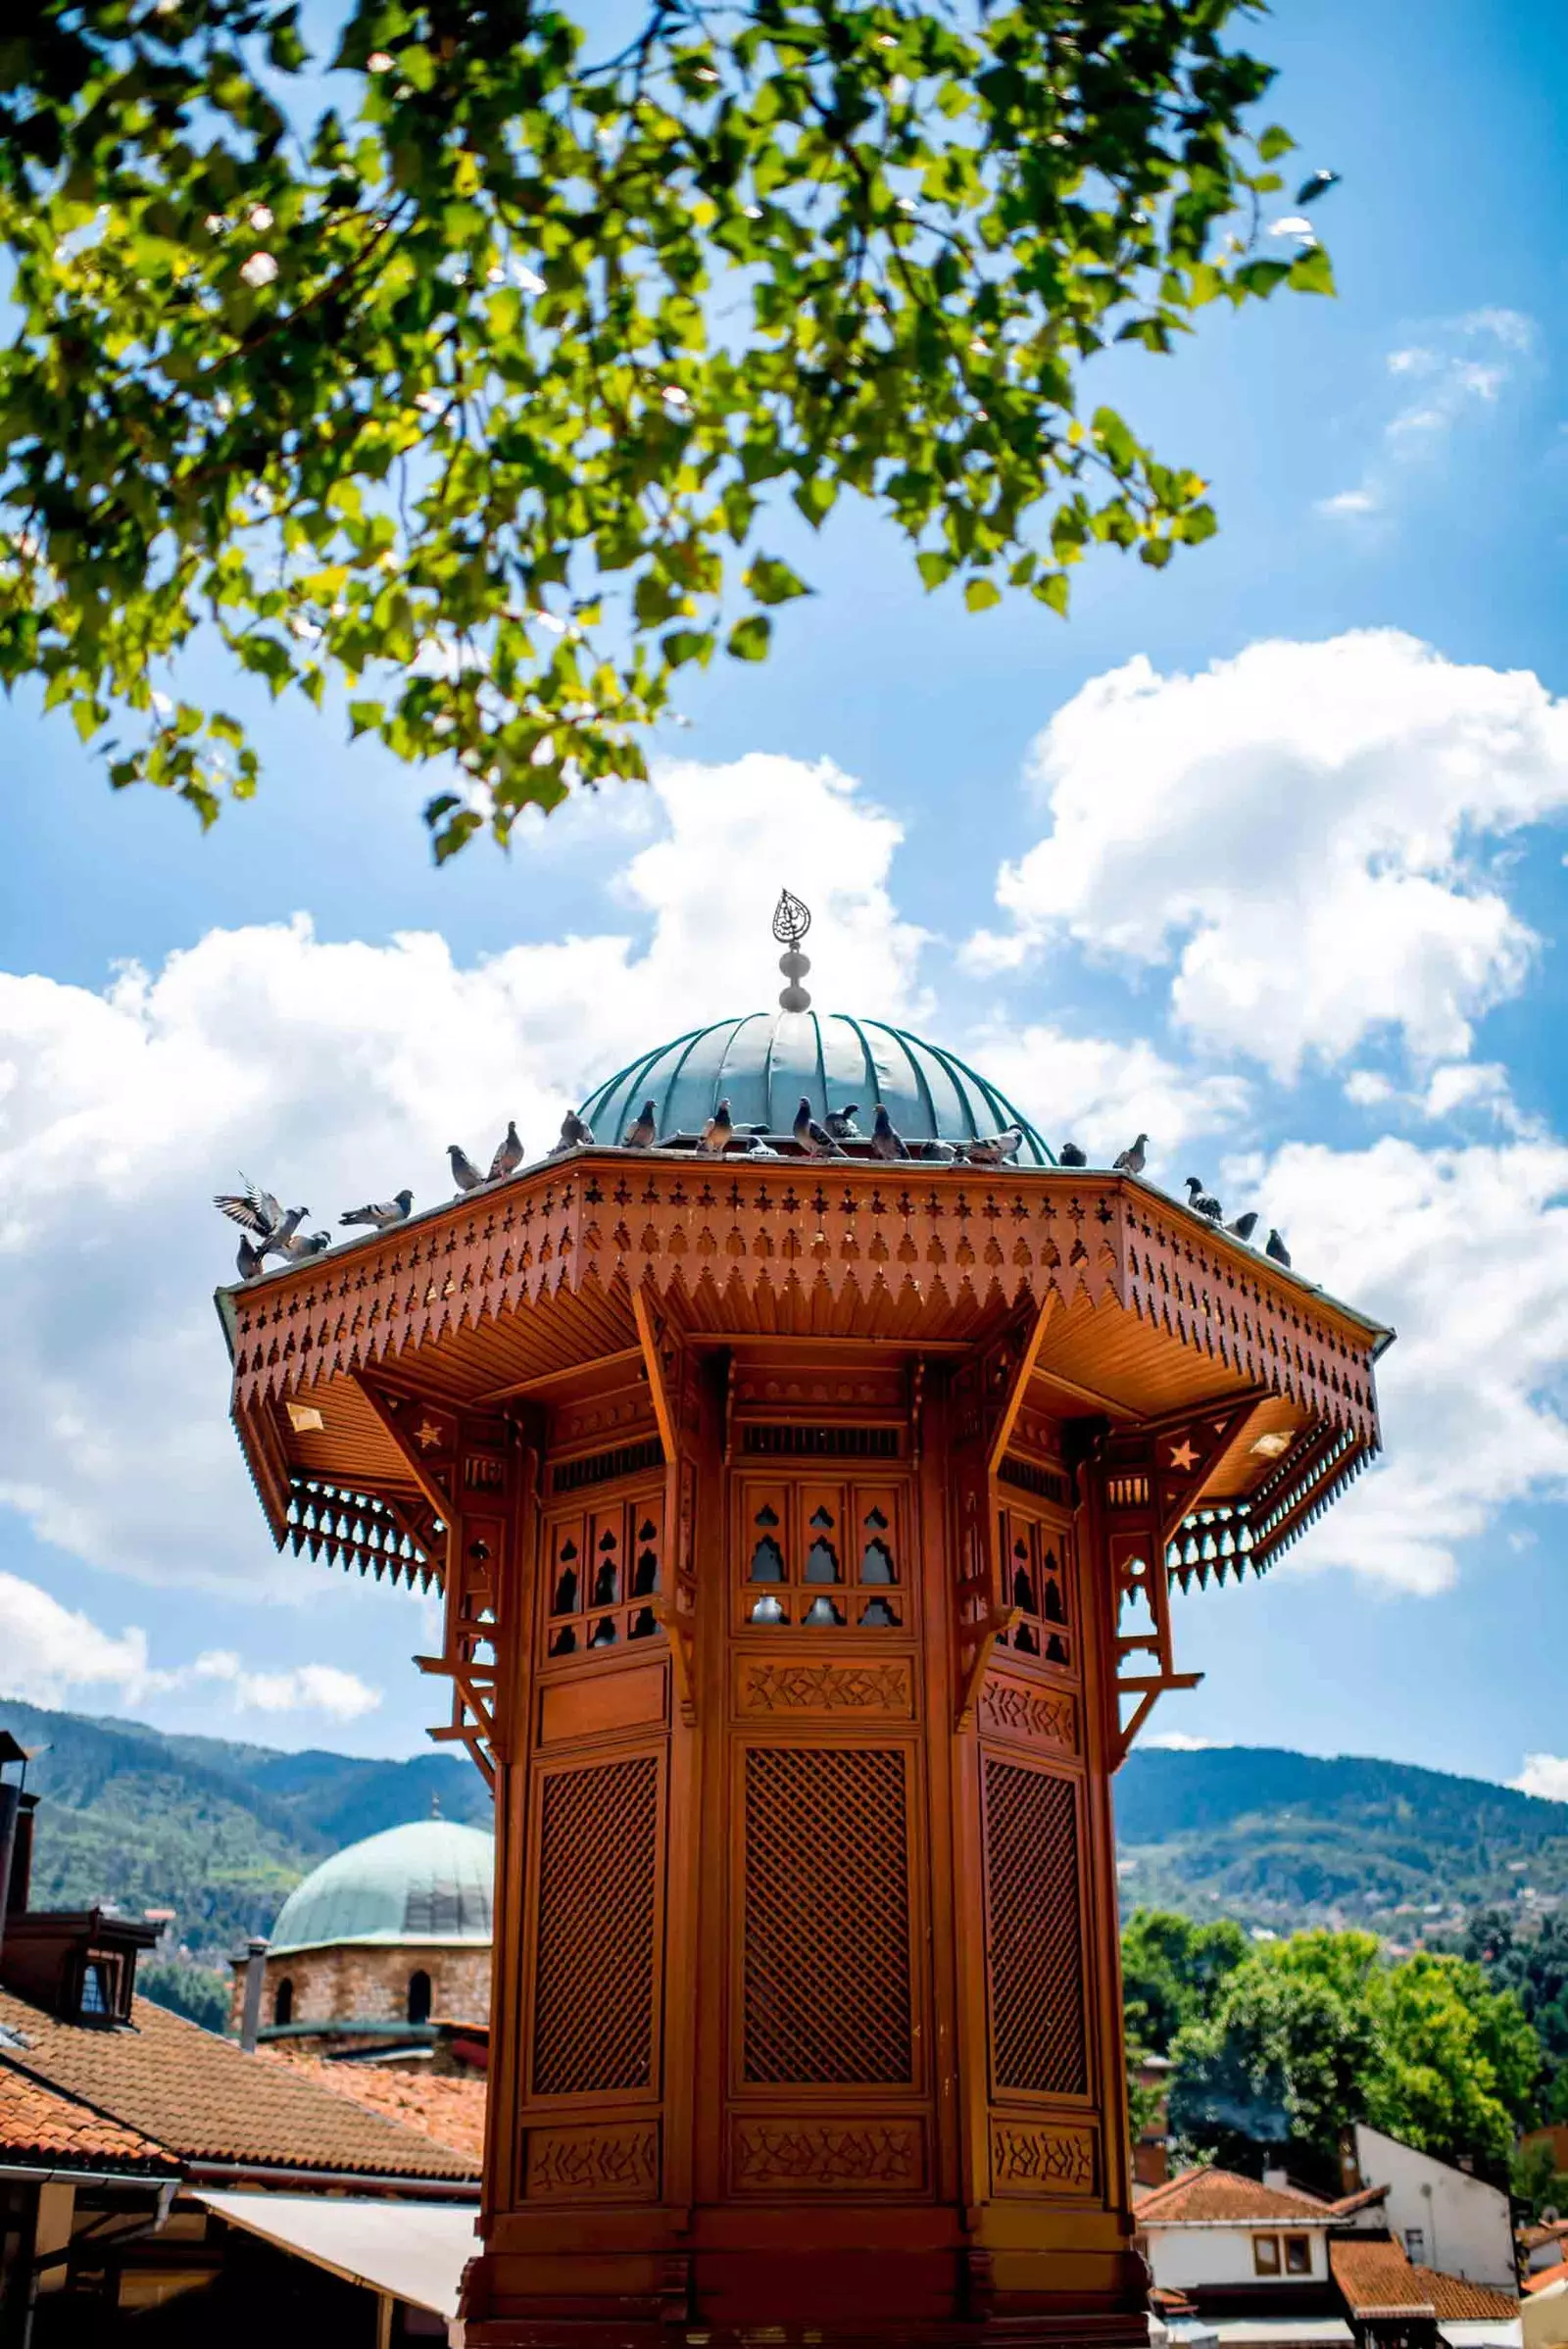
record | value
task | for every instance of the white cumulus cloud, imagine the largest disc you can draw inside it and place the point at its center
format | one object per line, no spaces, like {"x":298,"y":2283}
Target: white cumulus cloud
{"x":1464,"y":1252}
{"x":1544,"y":1773}
{"x":52,"y":1654}
{"x":1299,"y":836}
{"x":1101,"y":1093}
{"x":335,"y":1072}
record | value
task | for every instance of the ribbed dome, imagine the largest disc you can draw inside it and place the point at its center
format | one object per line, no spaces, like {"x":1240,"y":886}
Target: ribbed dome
{"x":431,"y":1880}
{"x":764,"y":1062}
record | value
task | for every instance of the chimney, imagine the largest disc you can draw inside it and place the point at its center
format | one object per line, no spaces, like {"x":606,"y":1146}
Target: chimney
{"x":16,"y":1829}
{"x":1276,"y":2179}
{"x":251,"y":2016}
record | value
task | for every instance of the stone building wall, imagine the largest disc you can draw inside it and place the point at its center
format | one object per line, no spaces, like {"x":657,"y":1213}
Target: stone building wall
{"x":368,"y":1983}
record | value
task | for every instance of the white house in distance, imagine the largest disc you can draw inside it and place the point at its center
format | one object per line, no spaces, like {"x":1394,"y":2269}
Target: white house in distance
{"x":1444,"y":2218}
{"x":1237,"y":2262}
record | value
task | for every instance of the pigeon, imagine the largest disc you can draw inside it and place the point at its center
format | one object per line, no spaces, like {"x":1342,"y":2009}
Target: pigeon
{"x":718,"y":1131}
{"x":996,"y":1149}
{"x":575,"y":1135}
{"x":383,"y":1213}
{"x":251,"y":1261}
{"x":841,"y":1122}
{"x":1318,"y":184}
{"x":1201,"y":1202}
{"x":814,"y":1139}
{"x":1244,"y":1226}
{"x":465,"y":1173}
{"x":509,"y":1156}
{"x":643,"y":1133}
{"x":1070,"y":1155}
{"x":885,"y":1139}
{"x":1277,"y":1248}
{"x":1131,"y":1161}
{"x":299,"y":1251}
{"x":259,"y":1213}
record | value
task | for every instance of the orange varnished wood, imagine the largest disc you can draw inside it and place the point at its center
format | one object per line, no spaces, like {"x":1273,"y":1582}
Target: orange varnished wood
{"x":804,"y":1547}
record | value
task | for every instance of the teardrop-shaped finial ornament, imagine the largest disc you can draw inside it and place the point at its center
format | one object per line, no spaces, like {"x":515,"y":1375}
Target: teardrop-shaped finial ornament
{"x":791,"y":922}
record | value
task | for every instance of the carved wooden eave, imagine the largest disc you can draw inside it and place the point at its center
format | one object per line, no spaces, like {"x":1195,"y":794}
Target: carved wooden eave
{"x":1156,"y":1311}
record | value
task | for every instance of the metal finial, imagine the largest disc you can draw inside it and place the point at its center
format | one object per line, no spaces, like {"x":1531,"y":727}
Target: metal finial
{"x":791,"y":922}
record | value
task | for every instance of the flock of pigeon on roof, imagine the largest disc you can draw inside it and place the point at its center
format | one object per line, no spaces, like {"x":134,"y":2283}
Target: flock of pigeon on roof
{"x":270,"y":1229}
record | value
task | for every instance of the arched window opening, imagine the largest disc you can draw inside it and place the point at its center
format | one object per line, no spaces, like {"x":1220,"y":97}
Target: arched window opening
{"x":283,"y":2000}
{"x":420,"y":1996}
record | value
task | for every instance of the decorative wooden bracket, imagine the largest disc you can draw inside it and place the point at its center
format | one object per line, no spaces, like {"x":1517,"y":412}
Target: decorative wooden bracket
{"x":987,"y":1634}
{"x":1148,"y":1690}
{"x":1019,"y":1384}
{"x":674,"y":1618}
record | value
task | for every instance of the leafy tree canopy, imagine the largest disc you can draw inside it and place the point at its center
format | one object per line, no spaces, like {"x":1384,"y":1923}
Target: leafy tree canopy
{"x":198,"y":1993}
{"x":480,"y":395}
{"x":1172,"y":1970}
{"x":1309,"y":2034}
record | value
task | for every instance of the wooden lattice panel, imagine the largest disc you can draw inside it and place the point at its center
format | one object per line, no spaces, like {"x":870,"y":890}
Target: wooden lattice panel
{"x":828,"y":1989}
{"x":1034,"y":1932}
{"x":595,"y":1955}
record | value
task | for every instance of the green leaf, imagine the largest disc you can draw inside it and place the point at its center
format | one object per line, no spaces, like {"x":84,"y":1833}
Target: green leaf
{"x":749,"y":638}
{"x":1312,"y":273}
{"x":772,"y":582}
{"x":980,"y":594}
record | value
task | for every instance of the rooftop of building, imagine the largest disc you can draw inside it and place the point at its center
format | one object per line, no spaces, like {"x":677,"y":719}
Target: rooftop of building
{"x":1373,"y":2274}
{"x":431,"y":1880}
{"x":450,"y":2110}
{"x":763,"y":1062}
{"x":1217,"y":2197}
{"x":41,"y":2128}
{"x":201,"y":2098}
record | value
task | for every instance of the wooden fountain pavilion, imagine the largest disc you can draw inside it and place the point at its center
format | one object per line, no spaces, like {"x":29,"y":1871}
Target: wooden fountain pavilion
{"x":806,"y":1530}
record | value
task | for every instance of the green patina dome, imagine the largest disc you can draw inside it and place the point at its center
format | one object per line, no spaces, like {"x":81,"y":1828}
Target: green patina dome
{"x":431,"y":1880}
{"x":764,"y":1062}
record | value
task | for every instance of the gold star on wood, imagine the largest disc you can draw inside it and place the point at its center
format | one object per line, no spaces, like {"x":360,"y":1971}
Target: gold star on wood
{"x":1183,"y":1456}
{"x":427,"y":1434}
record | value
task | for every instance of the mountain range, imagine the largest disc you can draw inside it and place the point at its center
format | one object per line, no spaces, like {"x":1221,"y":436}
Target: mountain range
{"x":219,"y":1831}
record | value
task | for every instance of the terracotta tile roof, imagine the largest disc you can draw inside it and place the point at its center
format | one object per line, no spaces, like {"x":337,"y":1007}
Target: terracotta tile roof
{"x":205,"y":2100}
{"x":447,"y":2109}
{"x":40,"y":2127}
{"x":1545,"y":2276}
{"x":1220,"y":2195}
{"x":1347,"y":2203}
{"x":1372,"y":2271}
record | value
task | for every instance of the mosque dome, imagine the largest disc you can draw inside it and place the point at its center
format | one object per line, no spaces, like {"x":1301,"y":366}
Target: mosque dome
{"x":765,"y":1061}
{"x":431,"y":1880}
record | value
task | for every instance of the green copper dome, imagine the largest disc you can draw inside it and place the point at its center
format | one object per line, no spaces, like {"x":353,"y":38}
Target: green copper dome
{"x":764,"y":1062}
{"x":431,"y":1880}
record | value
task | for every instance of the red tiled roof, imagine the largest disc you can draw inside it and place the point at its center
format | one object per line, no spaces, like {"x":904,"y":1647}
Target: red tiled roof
{"x":449,"y":2110}
{"x":205,"y":2100}
{"x":40,"y":2126}
{"x":1220,"y":2195}
{"x":1348,"y":2203}
{"x":1372,"y":2271}
{"x":1545,"y":2276}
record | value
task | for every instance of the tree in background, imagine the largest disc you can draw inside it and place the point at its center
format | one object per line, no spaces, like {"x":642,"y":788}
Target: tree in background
{"x":197,"y":1993}
{"x":480,"y":396}
{"x":1535,"y":1967}
{"x":1309,"y":2034}
{"x":1275,"y":2066}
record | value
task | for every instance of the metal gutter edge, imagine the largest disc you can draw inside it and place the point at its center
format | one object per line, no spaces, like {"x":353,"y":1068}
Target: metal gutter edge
{"x":287,"y":2180}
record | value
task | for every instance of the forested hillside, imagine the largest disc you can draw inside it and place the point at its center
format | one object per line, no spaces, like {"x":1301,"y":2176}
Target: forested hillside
{"x":220,"y":1832}
{"x":1283,"y":1839}
{"x":216,"y":1832}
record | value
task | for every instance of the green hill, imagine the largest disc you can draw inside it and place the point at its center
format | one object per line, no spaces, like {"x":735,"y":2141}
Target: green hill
{"x":220,"y":1832}
{"x":216,"y":1832}
{"x":1284,"y":1840}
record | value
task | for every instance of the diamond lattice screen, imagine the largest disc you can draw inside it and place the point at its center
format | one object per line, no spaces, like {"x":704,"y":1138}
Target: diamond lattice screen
{"x":594,"y":1961}
{"x":1037,"y":1987}
{"x":827,"y":1916}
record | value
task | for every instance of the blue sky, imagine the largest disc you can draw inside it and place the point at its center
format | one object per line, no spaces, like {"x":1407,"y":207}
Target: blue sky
{"x":1302,"y":917}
